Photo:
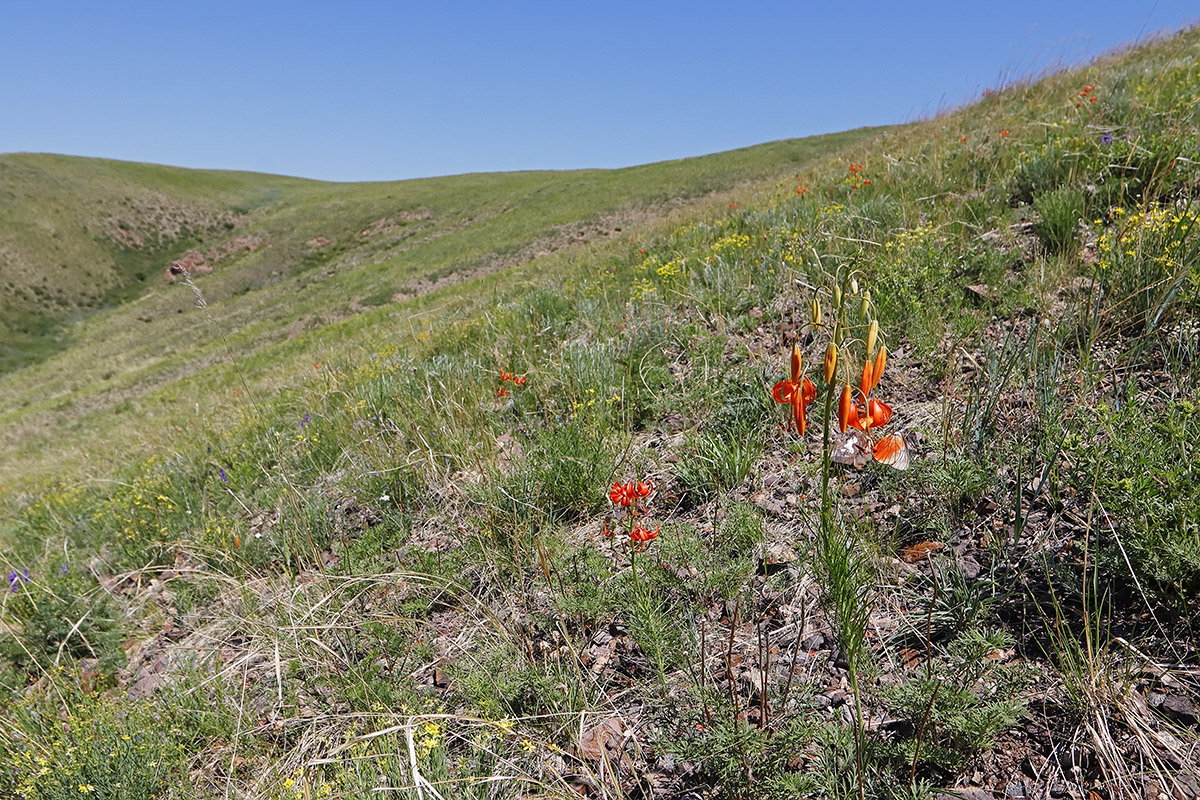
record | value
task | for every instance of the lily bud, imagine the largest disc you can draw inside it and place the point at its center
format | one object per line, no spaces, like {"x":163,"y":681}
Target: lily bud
{"x":837,"y":297}
{"x":880,"y":360}
{"x":816,"y":313}
{"x":872,"y":336}
{"x":864,"y":307}
{"x":854,"y":286}
{"x":845,"y":408}
{"x":830,"y":362}
{"x":795,"y":362}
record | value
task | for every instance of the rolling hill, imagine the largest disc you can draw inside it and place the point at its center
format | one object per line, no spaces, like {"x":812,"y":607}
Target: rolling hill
{"x":848,"y":467}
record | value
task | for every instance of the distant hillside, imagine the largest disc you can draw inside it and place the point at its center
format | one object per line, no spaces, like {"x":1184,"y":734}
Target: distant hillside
{"x":90,"y":317}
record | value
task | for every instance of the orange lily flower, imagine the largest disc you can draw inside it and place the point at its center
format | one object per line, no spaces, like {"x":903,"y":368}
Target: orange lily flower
{"x":626,"y":494}
{"x":640,"y":534}
{"x":858,"y":447}
{"x":622,"y":494}
{"x":797,"y":391}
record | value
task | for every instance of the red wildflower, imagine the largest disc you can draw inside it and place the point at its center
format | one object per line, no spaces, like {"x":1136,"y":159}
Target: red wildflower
{"x":1004,"y":133}
{"x":519,"y":380}
{"x":622,"y":494}
{"x":640,"y":534}
{"x":857,"y":448}
{"x":505,"y":376}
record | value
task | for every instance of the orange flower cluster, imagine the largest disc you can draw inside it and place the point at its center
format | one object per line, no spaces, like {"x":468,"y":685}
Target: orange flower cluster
{"x":626,"y":494}
{"x":517,"y":380}
{"x":1086,"y":94}
{"x":630,"y":498}
{"x":857,"y":423}
{"x":855,"y":169}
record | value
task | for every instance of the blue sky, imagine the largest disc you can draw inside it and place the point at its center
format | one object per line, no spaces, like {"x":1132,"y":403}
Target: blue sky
{"x":388,"y":90}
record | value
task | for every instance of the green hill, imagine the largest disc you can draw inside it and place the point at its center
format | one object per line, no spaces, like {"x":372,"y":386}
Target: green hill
{"x":859,"y":466}
{"x":93,"y":321}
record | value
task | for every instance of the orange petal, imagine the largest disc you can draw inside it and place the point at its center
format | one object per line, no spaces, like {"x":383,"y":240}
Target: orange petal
{"x":879,"y":412}
{"x":865,"y":384}
{"x":798,"y":413}
{"x":795,"y":363}
{"x":782,"y":391}
{"x":857,"y":418}
{"x":809,"y":391}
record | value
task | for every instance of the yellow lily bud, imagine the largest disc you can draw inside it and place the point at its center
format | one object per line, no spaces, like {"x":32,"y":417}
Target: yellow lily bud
{"x":854,"y":286}
{"x":864,"y":307}
{"x":837,"y":298}
{"x":872,"y":336}
{"x":830,"y":362}
{"x":816,"y":313}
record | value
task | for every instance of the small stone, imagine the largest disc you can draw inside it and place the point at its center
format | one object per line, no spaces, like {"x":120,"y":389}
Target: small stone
{"x":1015,"y":789}
{"x":969,"y":567}
{"x":814,"y":642}
{"x":1181,"y":709}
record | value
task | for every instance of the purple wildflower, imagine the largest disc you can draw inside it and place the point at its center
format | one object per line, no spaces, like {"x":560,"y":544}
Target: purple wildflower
{"x":1106,"y":137}
{"x":224,"y":477}
{"x":64,"y":570}
{"x":13,"y":580}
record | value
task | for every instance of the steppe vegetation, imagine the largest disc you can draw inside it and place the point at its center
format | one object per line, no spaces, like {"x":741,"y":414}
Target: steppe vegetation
{"x":608,"y":523}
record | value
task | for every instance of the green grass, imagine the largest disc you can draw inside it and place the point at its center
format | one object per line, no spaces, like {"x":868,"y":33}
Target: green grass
{"x":388,"y":559}
{"x":120,"y":339}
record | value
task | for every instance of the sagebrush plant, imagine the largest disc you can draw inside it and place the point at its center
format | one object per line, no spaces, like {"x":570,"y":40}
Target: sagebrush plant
{"x":390,"y":571}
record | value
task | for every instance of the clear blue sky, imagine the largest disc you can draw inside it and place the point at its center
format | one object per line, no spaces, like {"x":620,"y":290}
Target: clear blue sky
{"x":373,"y":91}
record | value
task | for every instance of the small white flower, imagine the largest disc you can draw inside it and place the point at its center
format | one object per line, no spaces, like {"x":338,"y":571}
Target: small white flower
{"x":384,"y":498}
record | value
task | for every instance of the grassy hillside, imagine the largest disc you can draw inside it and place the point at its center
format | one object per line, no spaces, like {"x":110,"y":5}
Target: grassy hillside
{"x":100,"y":325}
{"x":599,"y":523}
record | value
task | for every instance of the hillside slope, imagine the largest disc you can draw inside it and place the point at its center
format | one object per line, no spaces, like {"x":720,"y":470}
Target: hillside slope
{"x":93,"y":321}
{"x":878,"y":482}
